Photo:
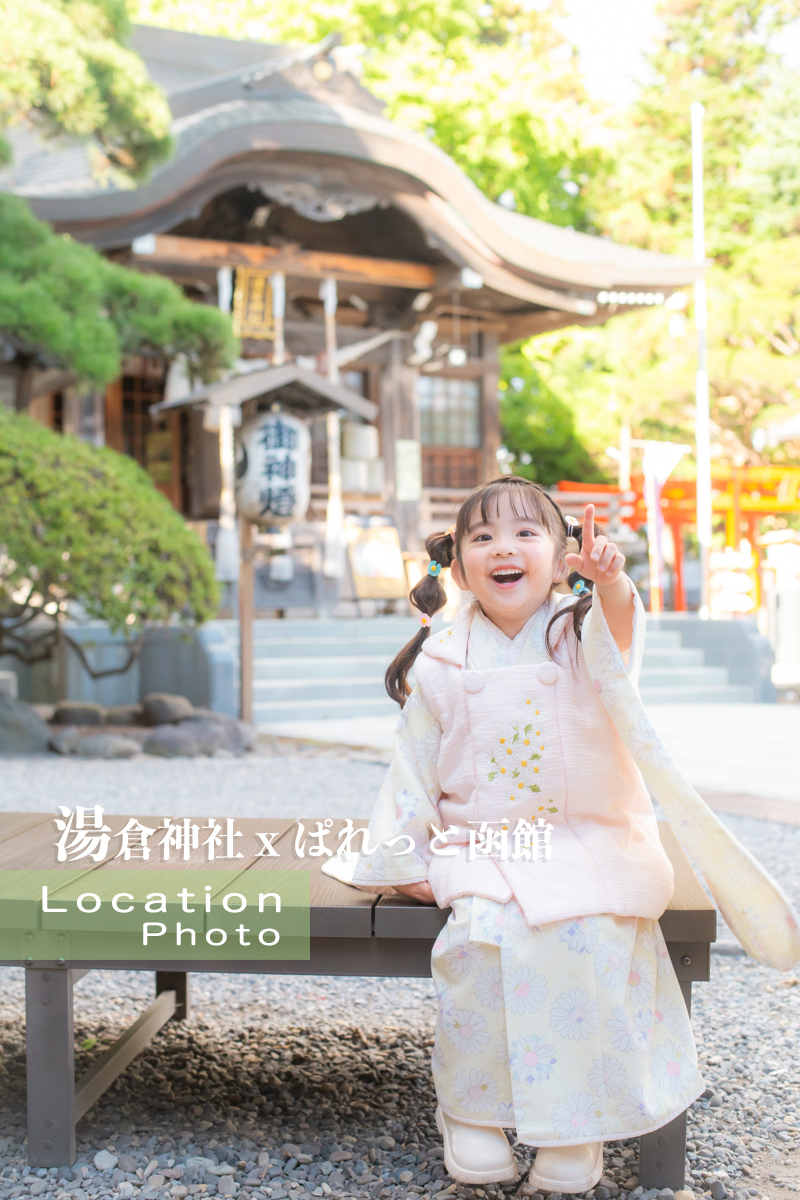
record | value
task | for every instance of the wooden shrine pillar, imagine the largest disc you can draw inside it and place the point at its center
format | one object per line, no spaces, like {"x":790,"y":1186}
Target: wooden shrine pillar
{"x":679,"y":590}
{"x":400,"y":441}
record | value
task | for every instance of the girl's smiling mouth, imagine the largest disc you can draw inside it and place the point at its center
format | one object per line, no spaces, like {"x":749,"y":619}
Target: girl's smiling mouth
{"x":505,"y":576}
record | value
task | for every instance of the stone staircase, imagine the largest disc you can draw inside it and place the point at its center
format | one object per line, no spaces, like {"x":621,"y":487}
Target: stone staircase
{"x":675,"y":674}
{"x":318,"y":669}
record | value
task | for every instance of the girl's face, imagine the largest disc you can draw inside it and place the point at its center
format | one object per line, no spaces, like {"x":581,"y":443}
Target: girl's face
{"x":509,"y":564}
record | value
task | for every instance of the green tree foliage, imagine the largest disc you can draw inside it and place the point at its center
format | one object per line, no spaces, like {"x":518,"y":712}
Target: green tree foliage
{"x":64,"y":70}
{"x":62,"y":303}
{"x":640,"y":367}
{"x":82,"y":525}
{"x":538,"y":427}
{"x":716,"y":52}
{"x":494,"y":85}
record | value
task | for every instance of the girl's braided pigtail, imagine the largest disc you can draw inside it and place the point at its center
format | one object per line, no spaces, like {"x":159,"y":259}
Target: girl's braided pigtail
{"x":427,"y":597}
{"x":581,"y":587}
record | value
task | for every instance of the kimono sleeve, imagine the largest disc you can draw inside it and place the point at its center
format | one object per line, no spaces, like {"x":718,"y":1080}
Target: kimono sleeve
{"x":603,"y":644}
{"x":407,"y":805}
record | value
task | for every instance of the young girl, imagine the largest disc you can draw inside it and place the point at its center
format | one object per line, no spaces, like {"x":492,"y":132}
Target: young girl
{"x":560,"y":1013}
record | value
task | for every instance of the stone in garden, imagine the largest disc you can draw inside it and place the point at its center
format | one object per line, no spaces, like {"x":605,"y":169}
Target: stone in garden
{"x":106,"y":745}
{"x":39,"y":1186}
{"x":715,"y":1102}
{"x":125,"y":714}
{"x":684,"y":1195}
{"x":125,"y":1190}
{"x":209,"y":736}
{"x":238,"y":735}
{"x":226,"y":1186}
{"x":161,"y":709}
{"x":22,"y":731}
{"x":64,"y":741}
{"x":718,"y":1190}
{"x":127,"y":1163}
{"x":171,"y":741}
{"x":104,"y":1160}
{"x":386,"y":1143}
{"x":79,"y":712}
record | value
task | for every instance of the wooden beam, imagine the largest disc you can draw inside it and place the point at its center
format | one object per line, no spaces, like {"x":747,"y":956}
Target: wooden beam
{"x":309,"y":264}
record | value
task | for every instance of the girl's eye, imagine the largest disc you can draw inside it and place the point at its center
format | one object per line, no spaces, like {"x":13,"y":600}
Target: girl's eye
{"x":527,"y":533}
{"x":482,"y":537}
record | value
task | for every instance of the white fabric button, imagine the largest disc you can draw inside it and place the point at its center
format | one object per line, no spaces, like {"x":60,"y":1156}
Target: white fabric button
{"x":547,"y":673}
{"x":473,"y":681}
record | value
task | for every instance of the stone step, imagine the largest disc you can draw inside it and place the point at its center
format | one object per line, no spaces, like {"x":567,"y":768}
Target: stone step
{"x":674,"y":677}
{"x":671,"y":658}
{"x":733,"y":693}
{"x":265,"y":712}
{"x":324,"y":667}
{"x":318,"y":690}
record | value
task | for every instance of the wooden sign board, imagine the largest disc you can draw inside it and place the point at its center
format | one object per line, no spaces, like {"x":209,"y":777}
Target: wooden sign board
{"x":376,"y":562}
{"x":252,"y":304}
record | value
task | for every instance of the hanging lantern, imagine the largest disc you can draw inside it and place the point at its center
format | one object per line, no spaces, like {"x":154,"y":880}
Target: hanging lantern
{"x":273,"y":469}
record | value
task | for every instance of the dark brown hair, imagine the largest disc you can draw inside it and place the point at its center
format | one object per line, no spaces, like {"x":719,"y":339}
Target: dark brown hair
{"x":527,"y":500}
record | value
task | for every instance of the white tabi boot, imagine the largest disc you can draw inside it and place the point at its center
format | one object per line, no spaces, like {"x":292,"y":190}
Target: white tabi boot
{"x":567,"y":1168}
{"x":475,"y":1153}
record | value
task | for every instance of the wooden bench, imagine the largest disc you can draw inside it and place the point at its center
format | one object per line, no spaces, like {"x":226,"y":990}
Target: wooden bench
{"x":352,"y":933}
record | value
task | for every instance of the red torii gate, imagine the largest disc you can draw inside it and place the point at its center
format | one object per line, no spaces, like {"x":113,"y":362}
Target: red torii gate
{"x":741,"y":494}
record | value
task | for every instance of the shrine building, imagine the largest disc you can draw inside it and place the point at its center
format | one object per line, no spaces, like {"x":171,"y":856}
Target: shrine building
{"x":367,"y":276}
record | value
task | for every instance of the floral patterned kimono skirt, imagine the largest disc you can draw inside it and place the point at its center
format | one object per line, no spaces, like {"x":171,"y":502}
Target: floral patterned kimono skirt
{"x":570,"y":1032}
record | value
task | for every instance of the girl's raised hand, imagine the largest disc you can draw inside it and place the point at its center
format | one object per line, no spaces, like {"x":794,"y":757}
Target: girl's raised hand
{"x":599,"y":560}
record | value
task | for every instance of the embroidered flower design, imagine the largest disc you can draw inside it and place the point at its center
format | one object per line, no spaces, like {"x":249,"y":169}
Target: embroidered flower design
{"x":610,"y":963}
{"x":505,"y":1113}
{"x":635,"y":1110}
{"x":532,"y":1060}
{"x":580,"y":934}
{"x":646,"y":745}
{"x":475,"y":1091}
{"x":489,"y":989}
{"x":668,"y":1066}
{"x":604,"y":683}
{"x":467,"y":1031}
{"x":578,"y":1115}
{"x":515,"y":761}
{"x":607,"y":1077}
{"x":464,"y":957}
{"x":573,"y":1014}
{"x":525,"y":990}
{"x":640,"y":981}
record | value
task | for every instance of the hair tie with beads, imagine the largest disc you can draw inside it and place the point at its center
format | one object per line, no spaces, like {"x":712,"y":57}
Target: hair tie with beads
{"x":424,"y":620}
{"x":579,"y":588}
{"x":451,"y":532}
{"x":571,"y":524}
{"x":434,"y":568}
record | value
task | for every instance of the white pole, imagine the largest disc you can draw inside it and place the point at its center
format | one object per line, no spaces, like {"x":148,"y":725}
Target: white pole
{"x":333,"y":563}
{"x":278,"y":281}
{"x":702,"y":416}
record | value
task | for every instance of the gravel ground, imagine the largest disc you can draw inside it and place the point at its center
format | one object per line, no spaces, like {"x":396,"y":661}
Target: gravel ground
{"x":282,"y":778}
{"x":287,"y":1088}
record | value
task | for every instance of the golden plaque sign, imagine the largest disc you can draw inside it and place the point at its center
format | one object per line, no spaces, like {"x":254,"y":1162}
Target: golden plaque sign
{"x":252,"y":304}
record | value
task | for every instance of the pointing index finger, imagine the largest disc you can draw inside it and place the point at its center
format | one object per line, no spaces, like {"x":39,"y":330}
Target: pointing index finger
{"x":587,"y":540}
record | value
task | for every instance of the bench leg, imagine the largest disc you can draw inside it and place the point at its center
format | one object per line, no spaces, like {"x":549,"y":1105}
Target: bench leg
{"x":662,"y":1155}
{"x":177,"y":982}
{"x":50,"y":1047}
